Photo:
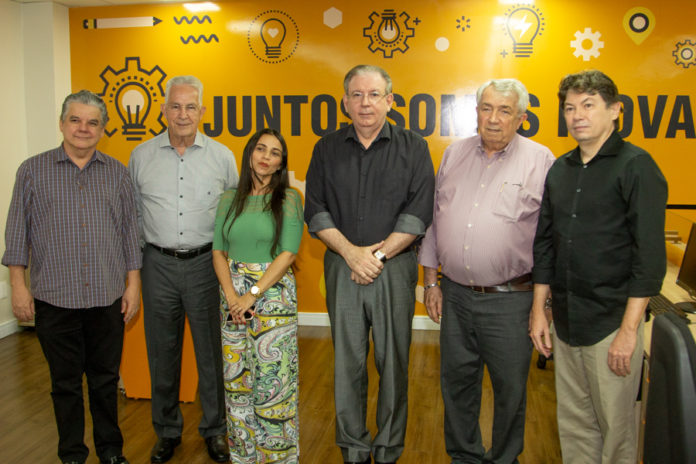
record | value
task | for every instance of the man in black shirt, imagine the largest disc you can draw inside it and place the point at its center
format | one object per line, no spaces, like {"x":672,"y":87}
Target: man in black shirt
{"x":369,"y":196}
{"x":599,"y":249}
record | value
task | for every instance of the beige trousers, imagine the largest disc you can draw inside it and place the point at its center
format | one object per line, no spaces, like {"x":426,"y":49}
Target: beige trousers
{"x":595,"y":407}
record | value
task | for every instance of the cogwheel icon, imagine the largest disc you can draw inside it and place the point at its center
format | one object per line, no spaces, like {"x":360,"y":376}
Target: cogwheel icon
{"x":685,"y":53}
{"x":134,"y":94}
{"x":587,"y":53}
{"x":387,"y":33}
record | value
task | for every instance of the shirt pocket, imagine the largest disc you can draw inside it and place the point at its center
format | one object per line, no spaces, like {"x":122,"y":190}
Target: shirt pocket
{"x":514,"y":202}
{"x":207,"y":194}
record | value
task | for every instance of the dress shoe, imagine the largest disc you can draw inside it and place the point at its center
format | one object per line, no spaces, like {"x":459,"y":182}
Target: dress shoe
{"x":218,"y":448}
{"x":366,"y":461}
{"x":115,"y":460}
{"x":73,"y":462}
{"x":164,"y":449}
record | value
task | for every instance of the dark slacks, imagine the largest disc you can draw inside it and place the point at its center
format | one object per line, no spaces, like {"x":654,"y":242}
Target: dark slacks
{"x":478,"y":329}
{"x":173,"y":290}
{"x":386,"y":306}
{"x":79,"y":342}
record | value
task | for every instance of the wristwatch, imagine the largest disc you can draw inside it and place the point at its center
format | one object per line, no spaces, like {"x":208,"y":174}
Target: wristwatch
{"x":379,"y":254}
{"x":255,"y":292}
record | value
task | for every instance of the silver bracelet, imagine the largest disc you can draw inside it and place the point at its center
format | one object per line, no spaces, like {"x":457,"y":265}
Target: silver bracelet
{"x":425,"y":287}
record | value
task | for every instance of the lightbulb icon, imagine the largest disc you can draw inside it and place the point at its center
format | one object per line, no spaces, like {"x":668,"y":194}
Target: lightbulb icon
{"x":133,"y":107}
{"x":273,"y":33}
{"x":389,"y":29}
{"x":523,"y":26}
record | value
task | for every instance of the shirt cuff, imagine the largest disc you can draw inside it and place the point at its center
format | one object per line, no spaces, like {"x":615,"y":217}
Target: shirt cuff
{"x":15,"y":259}
{"x":428,"y":251}
{"x":409,"y":224}
{"x":542,"y":276}
{"x":320,"y":221}
{"x":644,"y":288}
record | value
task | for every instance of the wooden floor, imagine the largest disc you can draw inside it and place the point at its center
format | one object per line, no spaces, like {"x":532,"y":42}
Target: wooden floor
{"x":28,"y":432}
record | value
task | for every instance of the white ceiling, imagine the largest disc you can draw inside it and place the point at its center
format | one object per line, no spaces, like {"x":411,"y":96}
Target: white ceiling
{"x":79,"y":3}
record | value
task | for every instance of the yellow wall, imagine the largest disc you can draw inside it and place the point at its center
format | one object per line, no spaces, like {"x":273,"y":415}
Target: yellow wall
{"x":433,"y":83}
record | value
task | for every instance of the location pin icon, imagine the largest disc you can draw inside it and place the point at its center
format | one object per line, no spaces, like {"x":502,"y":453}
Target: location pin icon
{"x":638,"y":23}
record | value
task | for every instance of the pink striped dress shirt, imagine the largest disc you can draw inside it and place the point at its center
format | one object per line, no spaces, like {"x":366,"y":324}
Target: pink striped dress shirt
{"x":486,"y":210}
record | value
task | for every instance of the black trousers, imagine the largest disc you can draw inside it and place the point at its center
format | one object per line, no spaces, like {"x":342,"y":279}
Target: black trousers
{"x":83,"y":341}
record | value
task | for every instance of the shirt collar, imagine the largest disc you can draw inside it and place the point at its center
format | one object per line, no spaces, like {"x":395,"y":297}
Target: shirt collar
{"x":62,"y":156}
{"x":505,"y":152}
{"x":610,"y":147}
{"x":385,"y":132}
{"x":197,"y":142}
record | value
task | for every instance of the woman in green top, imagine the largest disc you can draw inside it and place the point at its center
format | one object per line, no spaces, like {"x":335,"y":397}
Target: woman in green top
{"x":258,"y":228}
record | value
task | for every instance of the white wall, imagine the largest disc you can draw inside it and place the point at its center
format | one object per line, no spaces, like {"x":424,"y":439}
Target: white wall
{"x":35,"y":54}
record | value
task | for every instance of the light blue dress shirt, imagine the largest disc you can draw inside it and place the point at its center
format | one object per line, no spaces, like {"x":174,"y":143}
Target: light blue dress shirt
{"x":177,"y":196}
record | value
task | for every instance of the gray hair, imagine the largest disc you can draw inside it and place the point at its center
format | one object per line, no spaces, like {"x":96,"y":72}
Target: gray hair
{"x":193,"y":81}
{"x":365,"y":69}
{"x":507,"y":87}
{"x":86,"y":98}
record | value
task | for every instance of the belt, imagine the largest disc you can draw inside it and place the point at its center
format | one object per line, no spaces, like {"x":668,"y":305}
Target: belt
{"x":522,"y":283}
{"x":183,"y":254}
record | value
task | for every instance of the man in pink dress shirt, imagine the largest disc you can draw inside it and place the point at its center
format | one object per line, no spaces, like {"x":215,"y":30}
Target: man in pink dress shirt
{"x":487,"y":199}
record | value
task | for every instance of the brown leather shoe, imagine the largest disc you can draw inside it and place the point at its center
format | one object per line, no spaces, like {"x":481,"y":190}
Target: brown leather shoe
{"x":164,"y":449}
{"x":218,"y":448}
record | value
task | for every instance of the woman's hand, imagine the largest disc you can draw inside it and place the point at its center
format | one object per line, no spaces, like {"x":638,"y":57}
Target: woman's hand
{"x":239,"y":305}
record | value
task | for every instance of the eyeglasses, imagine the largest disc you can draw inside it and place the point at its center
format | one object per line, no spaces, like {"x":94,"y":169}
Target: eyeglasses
{"x":372,"y":97}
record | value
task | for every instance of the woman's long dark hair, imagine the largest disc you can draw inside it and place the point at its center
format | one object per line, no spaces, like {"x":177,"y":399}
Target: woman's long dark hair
{"x":277,"y":186}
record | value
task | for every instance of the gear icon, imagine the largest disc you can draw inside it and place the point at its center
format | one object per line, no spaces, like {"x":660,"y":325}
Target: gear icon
{"x":387,"y":33}
{"x":685,"y":53}
{"x":587,"y":53}
{"x":134,"y":94}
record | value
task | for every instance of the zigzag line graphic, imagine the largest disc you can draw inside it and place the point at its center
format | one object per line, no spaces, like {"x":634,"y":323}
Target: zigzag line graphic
{"x":193,"y":19}
{"x":199,"y":38}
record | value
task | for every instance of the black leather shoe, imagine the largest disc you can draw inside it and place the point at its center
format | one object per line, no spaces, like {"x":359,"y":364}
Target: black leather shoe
{"x":218,"y":448}
{"x":366,"y":461}
{"x":115,"y":460}
{"x":164,"y":449}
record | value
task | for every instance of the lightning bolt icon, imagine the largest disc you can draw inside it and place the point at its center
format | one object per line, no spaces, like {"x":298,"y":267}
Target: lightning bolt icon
{"x":522,"y":25}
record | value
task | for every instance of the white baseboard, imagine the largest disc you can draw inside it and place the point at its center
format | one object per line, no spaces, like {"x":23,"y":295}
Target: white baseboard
{"x":8,"y":328}
{"x":310,"y":319}
{"x":316,"y":319}
{"x":322,"y":319}
{"x":424,"y":323}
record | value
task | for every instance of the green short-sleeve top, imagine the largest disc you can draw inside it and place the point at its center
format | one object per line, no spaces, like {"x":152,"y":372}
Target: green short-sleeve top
{"x":250,"y":237}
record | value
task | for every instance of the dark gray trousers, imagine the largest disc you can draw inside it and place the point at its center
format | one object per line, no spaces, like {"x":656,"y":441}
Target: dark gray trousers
{"x":174,"y":290}
{"x":478,"y":329}
{"x":386,"y":306}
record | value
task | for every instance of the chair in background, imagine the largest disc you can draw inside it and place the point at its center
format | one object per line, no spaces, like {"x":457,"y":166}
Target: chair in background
{"x":670,"y":418}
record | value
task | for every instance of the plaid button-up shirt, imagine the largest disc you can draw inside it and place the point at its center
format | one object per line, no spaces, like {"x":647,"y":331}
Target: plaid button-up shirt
{"x":75,"y":228}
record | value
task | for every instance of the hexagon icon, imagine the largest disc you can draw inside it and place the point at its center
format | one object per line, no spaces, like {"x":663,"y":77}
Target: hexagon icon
{"x":333,"y":17}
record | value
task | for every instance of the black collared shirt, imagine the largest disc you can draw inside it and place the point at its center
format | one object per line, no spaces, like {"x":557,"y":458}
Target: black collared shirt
{"x":369,"y":193}
{"x":600,"y":238}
